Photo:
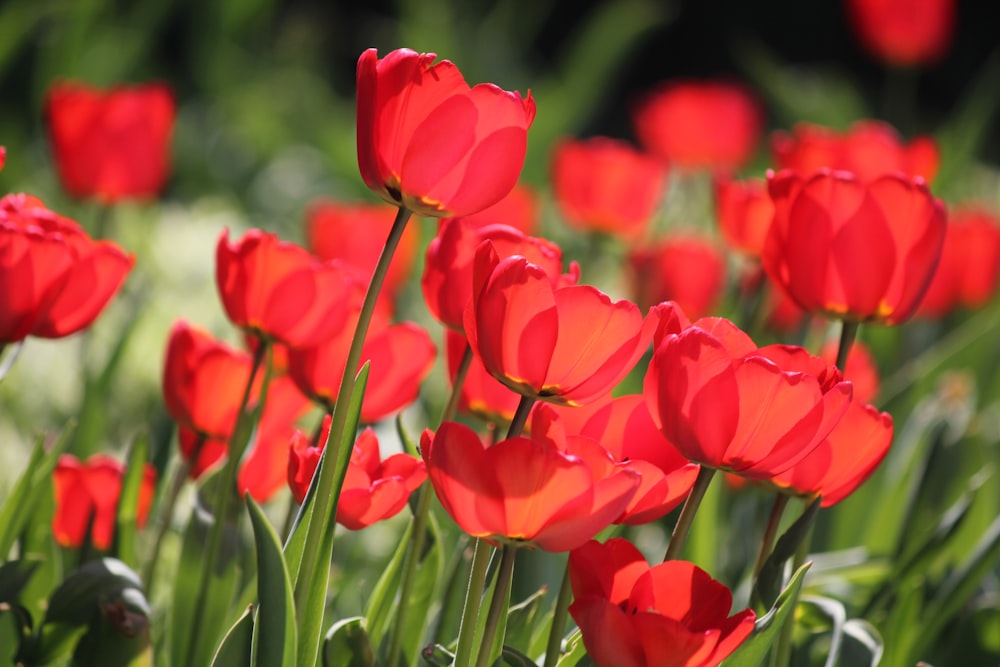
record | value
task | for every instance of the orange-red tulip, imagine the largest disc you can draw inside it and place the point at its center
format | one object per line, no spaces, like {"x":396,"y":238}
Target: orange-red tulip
{"x":869,"y":149}
{"x":429,"y":142}
{"x":726,"y":404}
{"x":744,"y":211}
{"x":113,"y":144}
{"x":634,"y":615}
{"x":54,"y":279}
{"x":710,"y":125}
{"x":528,"y":491}
{"x":278,"y":290}
{"x":87,"y":496}
{"x":566,"y":345}
{"x":854,"y":250}
{"x":605,"y":185}
{"x":519,"y":209}
{"x":903,"y":32}
{"x":690,"y":270}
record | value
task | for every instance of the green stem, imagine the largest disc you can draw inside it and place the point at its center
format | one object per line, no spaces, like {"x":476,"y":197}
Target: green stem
{"x":456,"y":386}
{"x":847,"y":335}
{"x":323,"y":522}
{"x":783,"y":648}
{"x":684,"y":521}
{"x":554,"y":647}
{"x":770,"y":532}
{"x":498,"y":605}
{"x":520,"y":417}
{"x":225,"y":490}
{"x":166,"y":516}
{"x":473,"y":599}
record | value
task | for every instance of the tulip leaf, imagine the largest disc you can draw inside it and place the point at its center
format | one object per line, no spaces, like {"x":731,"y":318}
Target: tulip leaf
{"x":310,"y":616}
{"x":274,"y":627}
{"x":430,"y":571}
{"x":523,"y":618}
{"x":14,"y":576}
{"x":409,"y":444}
{"x":29,"y":489}
{"x":378,"y":611}
{"x":770,"y":578}
{"x":575,"y":651}
{"x":831,"y":614}
{"x":235,"y":649}
{"x":752,"y":652}
{"x":128,"y":503}
{"x":862,"y":644}
{"x":513,"y":658}
{"x":347,"y":644}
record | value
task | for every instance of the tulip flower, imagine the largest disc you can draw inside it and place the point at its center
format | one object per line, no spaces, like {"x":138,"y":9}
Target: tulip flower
{"x":447,"y":280}
{"x":374,"y":489}
{"x":114,"y":144}
{"x":868,"y":149}
{"x":54,"y":279}
{"x":711,"y":125}
{"x":526,"y":491}
{"x":430,"y":143}
{"x":519,"y":209}
{"x":686,"y":269}
{"x":565,"y":345}
{"x":744,"y":211}
{"x":970,"y":263}
{"x":482,"y":395}
{"x":605,"y":185}
{"x":844,"y":460}
{"x":903,"y":32}
{"x":277,"y":290}
{"x":87,"y":496}
{"x":727,"y":404}
{"x":853,"y":250}
{"x":634,"y":615}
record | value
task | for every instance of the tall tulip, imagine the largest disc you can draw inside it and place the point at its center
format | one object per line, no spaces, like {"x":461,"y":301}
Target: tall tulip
{"x":903,"y":32}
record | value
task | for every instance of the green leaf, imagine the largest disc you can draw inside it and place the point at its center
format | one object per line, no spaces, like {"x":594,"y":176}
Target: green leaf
{"x":514,"y":658}
{"x":751,"y":653}
{"x":380,"y":606}
{"x":834,"y":616}
{"x":128,"y":504}
{"x":347,"y":644}
{"x":14,"y":576}
{"x":80,"y":596}
{"x":430,"y":570}
{"x":29,"y":489}
{"x":409,"y":444}
{"x":575,"y":651}
{"x":274,"y":629}
{"x":862,"y":644}
{"x":770,"y":579}
{"x":523,"y":618}
{"x":235,"y":649}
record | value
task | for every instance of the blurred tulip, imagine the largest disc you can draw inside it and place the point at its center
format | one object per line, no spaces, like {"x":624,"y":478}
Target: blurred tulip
{"x":374,"y":489}
{"x":447,"y":280}
{"x":482,"y":394}
{"x":711,"y":125}
{"x":744,"y":211}
{"x":87,"y":496}
{"x":277,"y":290}
{"x":522,"y":490}
{"x":853,"y":250}
{"x":727,"y":404}
{"x":3,"y":157}
{"x":634,"y":615}
{"x":519,"y":209}
{"x":903,"y":32}
{"x":869,"y":149}
{"x":429,"y":142}
{"x":561,"y":344}
{"x":54,"y":279}
{"x":687,"y":269}
{"x":605,"y":185}
{"x":114,"y":144}
{"x":970,"y":263}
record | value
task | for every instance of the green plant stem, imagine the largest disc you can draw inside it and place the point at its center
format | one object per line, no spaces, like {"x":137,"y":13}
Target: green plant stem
{"x":770,"y":532}
{"x":782,"y":653}
{"x":456,"y":386}
{"x":554,"y":647}
{"x":847,"y":335}
{"x":520,"y":417}
{"x":684,"y":521}
{"x":166,"y":515}
{"x":498,"y":605}
{"x":211,"y":552}
{"x":323,"y":522}
{"x":473,"y":599}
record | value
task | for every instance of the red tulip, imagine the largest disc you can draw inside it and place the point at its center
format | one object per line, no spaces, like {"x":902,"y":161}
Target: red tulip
{"x":970,"y":263}
{"x":519,"y":209}
{"x":726,"y":404}
{"x":850,"y":249}
{"x":687,"y":269}
{"x":522,"y":490}
{"x":277,"y":290}
{"x":903,"y":32}
{"x":634,"y":615}
{"x":605,"y":185}
{"x":482,"y":395}
{"x":114,"y":144}
{"x":869,"y":149}
{"x":3,"y":156}
{"x":428,"y":142}
{"x":447,"y":280}
{"x":710,"y":125}
{"x":87,"y":497}
{"x":374,"y":489}
{"x":561,"y":344}
{"x":54,"y":279}
{"x":356,"y":234}
{"x":744,"y":211}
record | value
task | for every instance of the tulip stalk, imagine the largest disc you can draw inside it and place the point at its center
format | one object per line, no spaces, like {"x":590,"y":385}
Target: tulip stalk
{"x":554,"y":646}
{"x":847,"y":335}
{"x":684,"y":521}
{"x":166,"y":516}
{"x":498,"y":605}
